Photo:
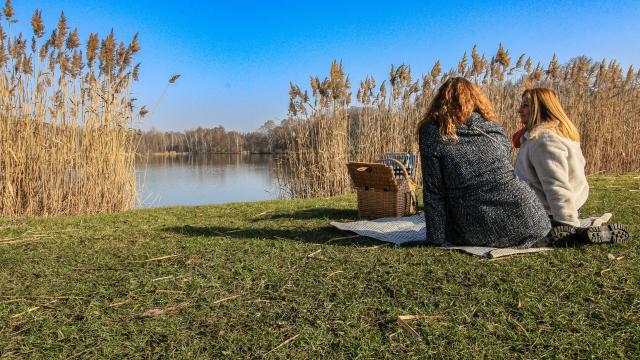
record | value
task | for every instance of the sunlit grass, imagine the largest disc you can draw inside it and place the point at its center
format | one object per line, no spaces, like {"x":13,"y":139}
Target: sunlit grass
{"x":239,"y":280}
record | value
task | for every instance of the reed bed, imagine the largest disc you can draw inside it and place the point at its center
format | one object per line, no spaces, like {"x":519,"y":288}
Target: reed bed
{"x":325,"y":131}
{"x":67,"y":139}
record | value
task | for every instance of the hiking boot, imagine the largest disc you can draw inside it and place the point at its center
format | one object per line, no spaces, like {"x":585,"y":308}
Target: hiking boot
{"x":562,"y":232}
{"x":560,"y":236}
{"x":614,"y":233}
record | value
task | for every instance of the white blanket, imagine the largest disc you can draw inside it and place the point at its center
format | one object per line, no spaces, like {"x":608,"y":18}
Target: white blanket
{"x":411,"y":229}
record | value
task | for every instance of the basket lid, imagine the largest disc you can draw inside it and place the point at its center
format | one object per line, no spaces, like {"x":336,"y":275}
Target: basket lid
{"x":372,"y":176}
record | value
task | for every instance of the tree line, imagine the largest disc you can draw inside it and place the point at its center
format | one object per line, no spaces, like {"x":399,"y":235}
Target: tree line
{"x":268,"y":139}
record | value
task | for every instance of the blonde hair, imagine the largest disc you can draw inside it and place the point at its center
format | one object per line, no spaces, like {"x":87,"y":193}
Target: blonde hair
{"x":453,"y":105}
{"x":546,"y":111}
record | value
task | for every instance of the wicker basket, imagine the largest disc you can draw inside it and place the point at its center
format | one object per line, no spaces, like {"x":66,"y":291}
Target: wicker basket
{"x":380,"y":194}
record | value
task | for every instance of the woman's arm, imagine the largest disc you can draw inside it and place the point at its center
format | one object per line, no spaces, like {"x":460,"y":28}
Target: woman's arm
{"x":550,"y":158}
{"x":435,"y":213}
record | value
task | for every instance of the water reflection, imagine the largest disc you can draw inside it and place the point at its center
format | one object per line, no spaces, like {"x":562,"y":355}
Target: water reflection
{"x":205,"y":179}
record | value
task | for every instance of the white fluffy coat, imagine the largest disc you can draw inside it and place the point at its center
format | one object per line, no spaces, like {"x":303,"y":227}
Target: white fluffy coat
{"x":554,"y":168}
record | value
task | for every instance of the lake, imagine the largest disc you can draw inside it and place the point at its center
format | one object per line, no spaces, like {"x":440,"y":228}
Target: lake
{"x":205,"y":179}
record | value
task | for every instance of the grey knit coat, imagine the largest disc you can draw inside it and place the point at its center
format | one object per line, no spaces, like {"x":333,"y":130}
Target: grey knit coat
{"x":471,"y":193}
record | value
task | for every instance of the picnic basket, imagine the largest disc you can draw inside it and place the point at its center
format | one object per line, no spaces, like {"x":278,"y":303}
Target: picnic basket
{"x":380,"y":193}
{"x":405,"y":164}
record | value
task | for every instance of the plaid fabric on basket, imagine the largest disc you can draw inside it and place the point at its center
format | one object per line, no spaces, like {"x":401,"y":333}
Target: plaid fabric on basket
{"x":407,"y":159}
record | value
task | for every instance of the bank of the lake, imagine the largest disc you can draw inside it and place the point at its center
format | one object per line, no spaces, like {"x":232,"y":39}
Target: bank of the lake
{"x":272,"y":279}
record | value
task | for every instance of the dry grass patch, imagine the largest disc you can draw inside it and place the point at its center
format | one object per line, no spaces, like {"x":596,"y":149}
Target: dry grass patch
{"x":67,"y":143}
{"x":324,"y":131}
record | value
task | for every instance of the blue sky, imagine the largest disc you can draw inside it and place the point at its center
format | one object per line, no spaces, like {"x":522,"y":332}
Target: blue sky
{"x":236,"y":59}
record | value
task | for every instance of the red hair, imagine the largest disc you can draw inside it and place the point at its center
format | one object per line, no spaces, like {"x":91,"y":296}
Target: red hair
{"x":453,"y":105}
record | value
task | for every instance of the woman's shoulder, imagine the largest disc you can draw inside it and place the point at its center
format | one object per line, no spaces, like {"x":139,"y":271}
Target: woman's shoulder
{"x":493,"y":126}
{"x":545,"y":135}
{"x":429,"y":129}
{"x":545,"y":132}
{"x":429,"y":126}
{"x":549,"y":143}
{"x":477,"y":121}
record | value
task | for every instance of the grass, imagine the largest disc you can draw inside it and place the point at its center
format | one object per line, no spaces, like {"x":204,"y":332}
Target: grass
{"x":274,"y":280}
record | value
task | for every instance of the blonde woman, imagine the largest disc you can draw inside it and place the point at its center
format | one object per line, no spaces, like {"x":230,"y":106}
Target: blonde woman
{"x":551,"y":162}
{"x":471,"y":193}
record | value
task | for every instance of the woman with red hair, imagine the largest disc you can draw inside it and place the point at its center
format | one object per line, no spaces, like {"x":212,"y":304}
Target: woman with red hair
{"x":471,"y":193}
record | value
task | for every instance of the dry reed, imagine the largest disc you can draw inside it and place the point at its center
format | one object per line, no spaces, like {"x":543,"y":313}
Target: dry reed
{"x":67,"y":144}
{"x":601,"y":98}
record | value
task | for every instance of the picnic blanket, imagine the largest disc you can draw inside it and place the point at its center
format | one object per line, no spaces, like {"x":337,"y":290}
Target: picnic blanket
{"x":411,"y":230}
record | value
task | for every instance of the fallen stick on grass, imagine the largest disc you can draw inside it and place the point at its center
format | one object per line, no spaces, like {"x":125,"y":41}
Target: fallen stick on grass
{"x":372,"y":247}
{"x":118,"y":303}
{"x":156,"y":259}
{"x":613,"y":257}
{"x":419,"y":317}
{"x":342,"y":238}
{"x":402,"y":321}
{"x":408,"y":328}
{"x":62,"y":297}
{"x":167,"y":311}
{"x":25,"y":312}
{"x":285,"y":343}
{"x":505,"y":257}
{"x":16,"y":241}
{"x":12,"y":301}
{"x":520,"y":327}
{"x":225,"y":299}
{"x":314,"y":255}
{"x":33,"y":309}
{"x":37,"y":235}
{"x":45,"y":297}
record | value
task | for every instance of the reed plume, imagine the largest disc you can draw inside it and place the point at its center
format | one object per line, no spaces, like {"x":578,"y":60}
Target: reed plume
{"x":66,"y":127}
{"x":601,"y":99}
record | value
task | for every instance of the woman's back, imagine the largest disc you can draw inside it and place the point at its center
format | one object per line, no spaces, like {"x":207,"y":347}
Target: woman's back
{"x":471,"y":194}
{"x":478,"y":158}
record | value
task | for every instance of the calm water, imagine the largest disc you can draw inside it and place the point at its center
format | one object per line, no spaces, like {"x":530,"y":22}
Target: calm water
{"x":206,"y":179}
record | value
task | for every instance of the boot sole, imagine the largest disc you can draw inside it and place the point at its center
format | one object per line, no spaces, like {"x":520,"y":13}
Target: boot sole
{"x":561,"y":233}
{"x":614,"y":233}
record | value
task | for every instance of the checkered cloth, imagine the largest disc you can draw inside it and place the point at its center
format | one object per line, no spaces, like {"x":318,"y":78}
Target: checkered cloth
{"x":412,"y":230}
{"x":407,"y":159}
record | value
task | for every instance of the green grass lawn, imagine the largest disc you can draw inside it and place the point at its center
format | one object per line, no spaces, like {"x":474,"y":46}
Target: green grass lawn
{"x":274,"y":280}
